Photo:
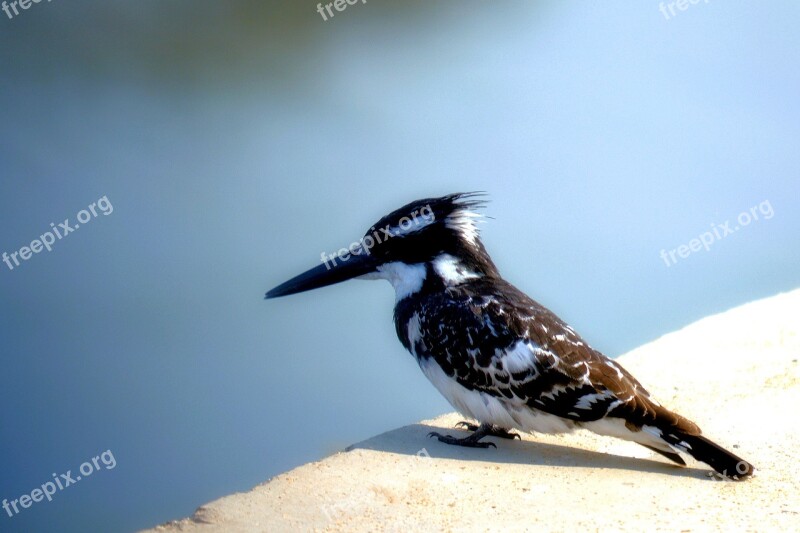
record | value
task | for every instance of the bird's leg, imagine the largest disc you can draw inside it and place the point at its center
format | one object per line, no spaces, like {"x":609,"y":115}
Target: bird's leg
{"x":494,"y":431}
{"x":472,"y":441}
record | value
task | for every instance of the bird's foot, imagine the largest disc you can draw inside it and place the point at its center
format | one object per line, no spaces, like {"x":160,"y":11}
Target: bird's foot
{"x":470,"y":442}
{"x":473,"y":441}
{"x":494,"y":431}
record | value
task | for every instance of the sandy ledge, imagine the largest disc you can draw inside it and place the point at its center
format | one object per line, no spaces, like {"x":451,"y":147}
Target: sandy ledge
{"x":736,"y":374}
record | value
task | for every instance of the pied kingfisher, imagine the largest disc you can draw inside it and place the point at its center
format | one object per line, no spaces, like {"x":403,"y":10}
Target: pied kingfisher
{"x":498,"y":356}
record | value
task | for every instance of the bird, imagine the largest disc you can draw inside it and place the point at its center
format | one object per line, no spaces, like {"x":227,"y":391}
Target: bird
{"x":498,"y":356}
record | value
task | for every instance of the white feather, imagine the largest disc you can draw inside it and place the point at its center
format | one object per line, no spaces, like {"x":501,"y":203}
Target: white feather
{"x":406,"y":279}
{"x":464,"y":222}
{"x":506,"y":413}
{"x":450,"y":269}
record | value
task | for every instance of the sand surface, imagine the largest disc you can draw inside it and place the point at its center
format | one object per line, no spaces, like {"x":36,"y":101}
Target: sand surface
{"x":736,"y":374}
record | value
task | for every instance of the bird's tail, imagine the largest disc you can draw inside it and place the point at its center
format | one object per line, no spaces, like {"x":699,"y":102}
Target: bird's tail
{"x":724,"y":462}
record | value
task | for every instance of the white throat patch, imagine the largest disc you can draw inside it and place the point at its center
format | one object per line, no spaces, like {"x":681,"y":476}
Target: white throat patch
{"x":406,"y":279}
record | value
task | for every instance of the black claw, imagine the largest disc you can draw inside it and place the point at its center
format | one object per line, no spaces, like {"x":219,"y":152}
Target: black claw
{"x":491,"y":431}
{"x":511,"y":435}
{"x":473,"y":441}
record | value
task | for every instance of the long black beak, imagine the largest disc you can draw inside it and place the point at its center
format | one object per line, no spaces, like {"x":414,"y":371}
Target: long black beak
{"x":326,"y":274}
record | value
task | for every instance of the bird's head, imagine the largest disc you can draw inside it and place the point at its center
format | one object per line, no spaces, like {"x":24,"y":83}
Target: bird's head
{"x":433,"y":242}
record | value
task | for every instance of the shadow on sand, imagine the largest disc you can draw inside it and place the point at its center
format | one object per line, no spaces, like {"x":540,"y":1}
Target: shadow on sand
{"x":413,"y":439}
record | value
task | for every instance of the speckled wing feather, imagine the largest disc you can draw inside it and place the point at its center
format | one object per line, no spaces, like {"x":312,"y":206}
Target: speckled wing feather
{"x":509,"y":346}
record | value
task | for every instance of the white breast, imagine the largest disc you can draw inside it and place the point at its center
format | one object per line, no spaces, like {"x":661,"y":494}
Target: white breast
{"x":485,"y":408}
